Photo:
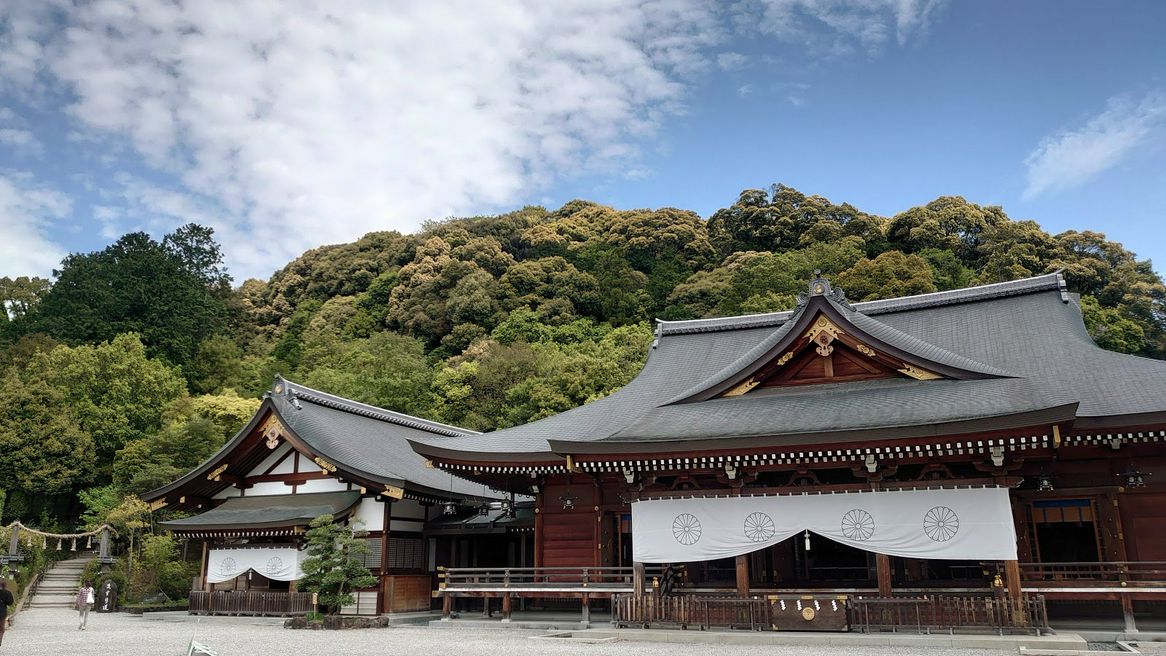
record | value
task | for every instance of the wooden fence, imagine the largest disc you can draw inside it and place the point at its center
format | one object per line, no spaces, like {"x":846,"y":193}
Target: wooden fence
{"x":922,"y":614}
{"x":949,"y":613}
{"x":685,"y":611}
{"x":247,"y":602}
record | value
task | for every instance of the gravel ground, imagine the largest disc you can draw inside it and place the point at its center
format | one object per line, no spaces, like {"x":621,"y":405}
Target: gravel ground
{"x":54,"y":632}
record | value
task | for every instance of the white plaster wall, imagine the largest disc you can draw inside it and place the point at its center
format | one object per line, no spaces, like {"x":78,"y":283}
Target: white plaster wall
{"x":371,"y":512}
{"x":321,"y":485}
{"x":410,"y":508}
{"x":227,"y":493}
{"x":267,"y":489}
{"x":408,"y":525}
{"x":276,"y":453}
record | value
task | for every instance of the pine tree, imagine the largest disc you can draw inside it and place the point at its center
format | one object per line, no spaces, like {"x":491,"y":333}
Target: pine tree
{"x":334,"y":566}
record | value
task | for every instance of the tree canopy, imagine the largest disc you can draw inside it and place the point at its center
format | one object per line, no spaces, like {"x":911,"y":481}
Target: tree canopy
{"x":136,"y":362}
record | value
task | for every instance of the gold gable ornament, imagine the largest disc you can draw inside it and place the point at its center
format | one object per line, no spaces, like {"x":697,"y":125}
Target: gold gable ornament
{"x":272,"y":431}
{"x":918,"y":373}
{"x":214,"y":475}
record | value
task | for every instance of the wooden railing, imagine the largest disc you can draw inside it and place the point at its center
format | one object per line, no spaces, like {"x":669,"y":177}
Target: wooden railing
{"x":695,"y":611}
{"x":249,"y":602}
{"x":949,"y":613}
{"x":1131,"y":573}
{"x":598,"y":579}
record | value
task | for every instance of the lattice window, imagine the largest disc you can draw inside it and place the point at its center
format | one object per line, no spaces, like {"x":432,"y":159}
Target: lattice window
{"x":372,"y":559}
{"x":407,"y":553}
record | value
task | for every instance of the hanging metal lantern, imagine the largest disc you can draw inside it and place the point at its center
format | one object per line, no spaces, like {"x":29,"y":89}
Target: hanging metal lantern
{"x":449,"y":507}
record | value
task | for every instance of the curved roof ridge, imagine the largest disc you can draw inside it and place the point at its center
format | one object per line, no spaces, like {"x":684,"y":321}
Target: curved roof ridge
{"x":311,"y":395}
{"x":1042,"y":282}
{"x":876,"y":329}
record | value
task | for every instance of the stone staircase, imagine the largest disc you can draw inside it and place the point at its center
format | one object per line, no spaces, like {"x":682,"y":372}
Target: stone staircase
{"x":58,"y":587}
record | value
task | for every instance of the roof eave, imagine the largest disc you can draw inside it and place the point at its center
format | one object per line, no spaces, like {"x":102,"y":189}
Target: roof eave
{"x":1060,"y":414}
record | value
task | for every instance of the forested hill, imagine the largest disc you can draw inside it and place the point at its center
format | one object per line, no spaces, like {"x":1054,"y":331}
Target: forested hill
{"x":139,"y":360}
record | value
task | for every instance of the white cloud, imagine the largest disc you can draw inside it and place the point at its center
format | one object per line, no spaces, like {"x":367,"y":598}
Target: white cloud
{"x":732,"y":61}
{"x":837,"y":27}
{"x":745,"y":90}
{"x":21,"y":141}
{"x":300,"y":123}
{"x":14,"y":136}
{"x":1073,"y":157}
{"x":26,"y":210}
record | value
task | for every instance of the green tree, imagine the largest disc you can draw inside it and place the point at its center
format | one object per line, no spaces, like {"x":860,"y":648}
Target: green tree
{"x":19,"y":296}
{"x":334,"y":567}
{"x":111,"y":391}
{"x":173,"y":293}
{"x":1111,"y":328}
{"x":162,"y":569}
{"x":889,"y":275}
{"x":776,"y":222}
{"x":947,"y":223}
{"x":386,"y":370}
{"x":45,"y":451}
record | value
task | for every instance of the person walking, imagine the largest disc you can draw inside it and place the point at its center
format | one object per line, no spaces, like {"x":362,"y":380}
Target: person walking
{"x":85,"y":599}
{"x":6,"y":601}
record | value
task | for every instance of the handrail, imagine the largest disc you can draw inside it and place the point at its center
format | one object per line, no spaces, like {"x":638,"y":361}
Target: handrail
{"x":1131,"y":571}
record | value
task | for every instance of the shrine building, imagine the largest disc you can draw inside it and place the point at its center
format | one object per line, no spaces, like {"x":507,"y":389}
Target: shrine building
{"x":306,"y":453}
{"x":971,"y":442}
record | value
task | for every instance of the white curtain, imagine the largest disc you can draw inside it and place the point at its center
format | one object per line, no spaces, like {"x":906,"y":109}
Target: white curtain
{"x":957,"y":524}
{"x":277,"y":563}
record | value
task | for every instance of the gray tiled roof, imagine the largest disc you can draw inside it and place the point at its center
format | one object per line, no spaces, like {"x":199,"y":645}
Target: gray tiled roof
{"x":368,"y":439}
{"x":267,"y":511}
{"x":1029,"y":332}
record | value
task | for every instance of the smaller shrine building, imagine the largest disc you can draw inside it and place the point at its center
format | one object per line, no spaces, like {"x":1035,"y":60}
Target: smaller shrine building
{"x":306,"y":453}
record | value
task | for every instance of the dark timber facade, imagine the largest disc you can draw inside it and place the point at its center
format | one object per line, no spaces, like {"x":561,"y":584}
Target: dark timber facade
{"x":998,"y":385}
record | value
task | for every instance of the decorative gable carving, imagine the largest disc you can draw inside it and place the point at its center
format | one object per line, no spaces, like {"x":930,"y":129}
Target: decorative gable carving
{"x":826,"y":353}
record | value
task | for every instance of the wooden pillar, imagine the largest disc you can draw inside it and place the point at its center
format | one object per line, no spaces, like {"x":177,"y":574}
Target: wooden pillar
{"x":538,"y":534}
{"x":638,"y":577}
{"x":743,"y":575}
{"x":384,"y":600}
{"x":446,"y":607}
{"x":1127,"y":611}
{"x":883,"y":572}
{"x":1012,"y":578}
{"x":202,"y":582}
{"x":506,"y":606}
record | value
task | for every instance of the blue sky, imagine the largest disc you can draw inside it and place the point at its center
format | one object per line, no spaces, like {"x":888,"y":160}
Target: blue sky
{"x":311,"y":123}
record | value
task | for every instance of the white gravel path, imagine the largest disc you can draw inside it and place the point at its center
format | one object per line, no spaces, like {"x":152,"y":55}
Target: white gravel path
{"x":45,"y":632}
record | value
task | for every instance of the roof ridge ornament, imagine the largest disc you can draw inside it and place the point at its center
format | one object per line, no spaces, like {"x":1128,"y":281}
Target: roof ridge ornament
{"x":820,"y":286}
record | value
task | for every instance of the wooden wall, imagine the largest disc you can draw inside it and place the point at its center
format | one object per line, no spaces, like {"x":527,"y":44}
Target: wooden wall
{"x":1143,"y":517}
{"x":568,"y":538}
{"x":406,"y":592}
